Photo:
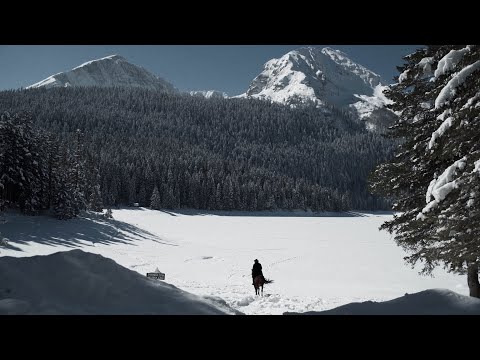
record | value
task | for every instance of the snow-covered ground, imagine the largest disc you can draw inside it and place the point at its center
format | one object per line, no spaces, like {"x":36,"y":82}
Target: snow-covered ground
{"x":76,"y":282}
{"x":427,"y":302}
{"x":316,"y":262}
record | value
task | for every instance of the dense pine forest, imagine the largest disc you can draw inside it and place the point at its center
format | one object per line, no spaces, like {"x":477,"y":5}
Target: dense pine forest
{"x":88,"y":147}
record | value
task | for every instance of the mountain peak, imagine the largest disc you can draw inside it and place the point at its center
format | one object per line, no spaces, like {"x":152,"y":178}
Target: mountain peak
{"x":311,"y":75}
{"x":331,"y":51}
{"x":114,"y":57}
{"x":106,"y":58}
{"x":109,"y":71}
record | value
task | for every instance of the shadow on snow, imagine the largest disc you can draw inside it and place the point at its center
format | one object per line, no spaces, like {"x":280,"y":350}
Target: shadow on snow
{"x":278,"y":213}
{"x":89,"y":227}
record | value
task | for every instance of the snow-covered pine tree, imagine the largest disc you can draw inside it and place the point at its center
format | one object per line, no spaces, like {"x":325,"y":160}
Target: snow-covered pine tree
{"x":434,"y":178}
{"x":93,"y":193}
{"x":64,"y":200}
{"x":49,"y":163}
{"x":78,"y":161}
{"x":132,"y":191}
{"x":108,"y":214}
{"x":20,"y":170}
{"x":155,"y":201}
{"x":142,"y":195}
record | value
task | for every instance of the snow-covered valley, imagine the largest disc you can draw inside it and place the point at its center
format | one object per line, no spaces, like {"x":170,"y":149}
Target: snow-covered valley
{"x":317,"y":261}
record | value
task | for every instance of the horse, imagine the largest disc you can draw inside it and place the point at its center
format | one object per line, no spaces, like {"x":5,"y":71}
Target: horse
{"x":258,"y":282}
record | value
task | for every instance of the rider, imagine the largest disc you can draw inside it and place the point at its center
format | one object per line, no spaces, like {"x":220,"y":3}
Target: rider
{"x":256,"y":270}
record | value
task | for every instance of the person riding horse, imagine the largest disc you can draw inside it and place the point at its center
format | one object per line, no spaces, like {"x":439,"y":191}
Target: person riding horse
{"x":256,"y":270}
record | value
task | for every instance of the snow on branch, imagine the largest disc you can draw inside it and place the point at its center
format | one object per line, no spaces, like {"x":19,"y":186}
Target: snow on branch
{"x":471,"y":101}
{"x":426,"y":65}
{"x":458,"y":79}
{"x":442,"y":186}
{"x":449,"y":61}
{"x":440,"y":131}
{"x":477,"y":166}
{"x":403,"y":76}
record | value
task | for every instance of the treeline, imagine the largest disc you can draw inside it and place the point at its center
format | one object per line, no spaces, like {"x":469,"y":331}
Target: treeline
{"x":39,"y":172}
{"x":212,"y":153}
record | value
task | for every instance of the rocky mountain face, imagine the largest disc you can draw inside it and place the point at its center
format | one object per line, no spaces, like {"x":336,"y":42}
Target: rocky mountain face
{"x":323,"y":77}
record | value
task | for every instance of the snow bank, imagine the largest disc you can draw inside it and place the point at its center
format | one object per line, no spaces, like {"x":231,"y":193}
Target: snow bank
{"x":449,"y":91}
{"x":428,"y":302}
{"x":78,"y":282}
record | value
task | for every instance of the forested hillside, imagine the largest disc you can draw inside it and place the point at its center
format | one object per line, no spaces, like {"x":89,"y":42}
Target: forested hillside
{"x":213,"y":153}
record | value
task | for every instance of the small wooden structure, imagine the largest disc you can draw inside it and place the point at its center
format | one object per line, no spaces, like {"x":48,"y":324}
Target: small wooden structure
{"x":156,"y":275}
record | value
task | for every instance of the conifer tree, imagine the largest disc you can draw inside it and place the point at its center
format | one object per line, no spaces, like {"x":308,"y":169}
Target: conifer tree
{"x":155,"y":200}
{"x":434,"y":177}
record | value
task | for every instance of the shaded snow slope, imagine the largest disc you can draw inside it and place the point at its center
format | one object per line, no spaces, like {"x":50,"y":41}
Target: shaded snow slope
{"x":78,"y":282}
{"x":428,"y":302}
{"x":110,"y":71}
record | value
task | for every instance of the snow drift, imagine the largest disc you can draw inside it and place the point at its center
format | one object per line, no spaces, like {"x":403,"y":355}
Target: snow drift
{"x":78,"y":282}
{"x":428,"y":302}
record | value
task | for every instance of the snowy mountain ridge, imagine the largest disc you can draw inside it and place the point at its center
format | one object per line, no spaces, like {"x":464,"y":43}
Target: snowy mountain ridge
{"x":305,"y":76}
{"x":310,"y":74}
{"x":208,"y":94}
{"x":316,"y":76}
{"x":109,"y":71}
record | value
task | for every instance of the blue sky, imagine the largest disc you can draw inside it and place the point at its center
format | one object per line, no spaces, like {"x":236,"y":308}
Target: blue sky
{"x":228,"y":68}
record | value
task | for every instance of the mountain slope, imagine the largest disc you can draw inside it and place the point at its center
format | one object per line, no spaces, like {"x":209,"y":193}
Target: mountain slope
{"x":310,"y":75}
{"x":208,"y":94}
{"x":109,"y":71}
{"x":212,"y":154}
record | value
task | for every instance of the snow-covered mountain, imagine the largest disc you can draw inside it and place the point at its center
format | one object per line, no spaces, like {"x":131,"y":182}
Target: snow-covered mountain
{"x":208,"y":94}
{"x":109,"y":71}
{"x":311,"y":75}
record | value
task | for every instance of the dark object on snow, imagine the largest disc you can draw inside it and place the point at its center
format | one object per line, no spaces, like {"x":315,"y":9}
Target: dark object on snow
{"x":156,"y":275}
{"x":108,"y":214}
{"x":258,"y":278}
{"x":256,"y":270}
{"x":258,"y":283}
